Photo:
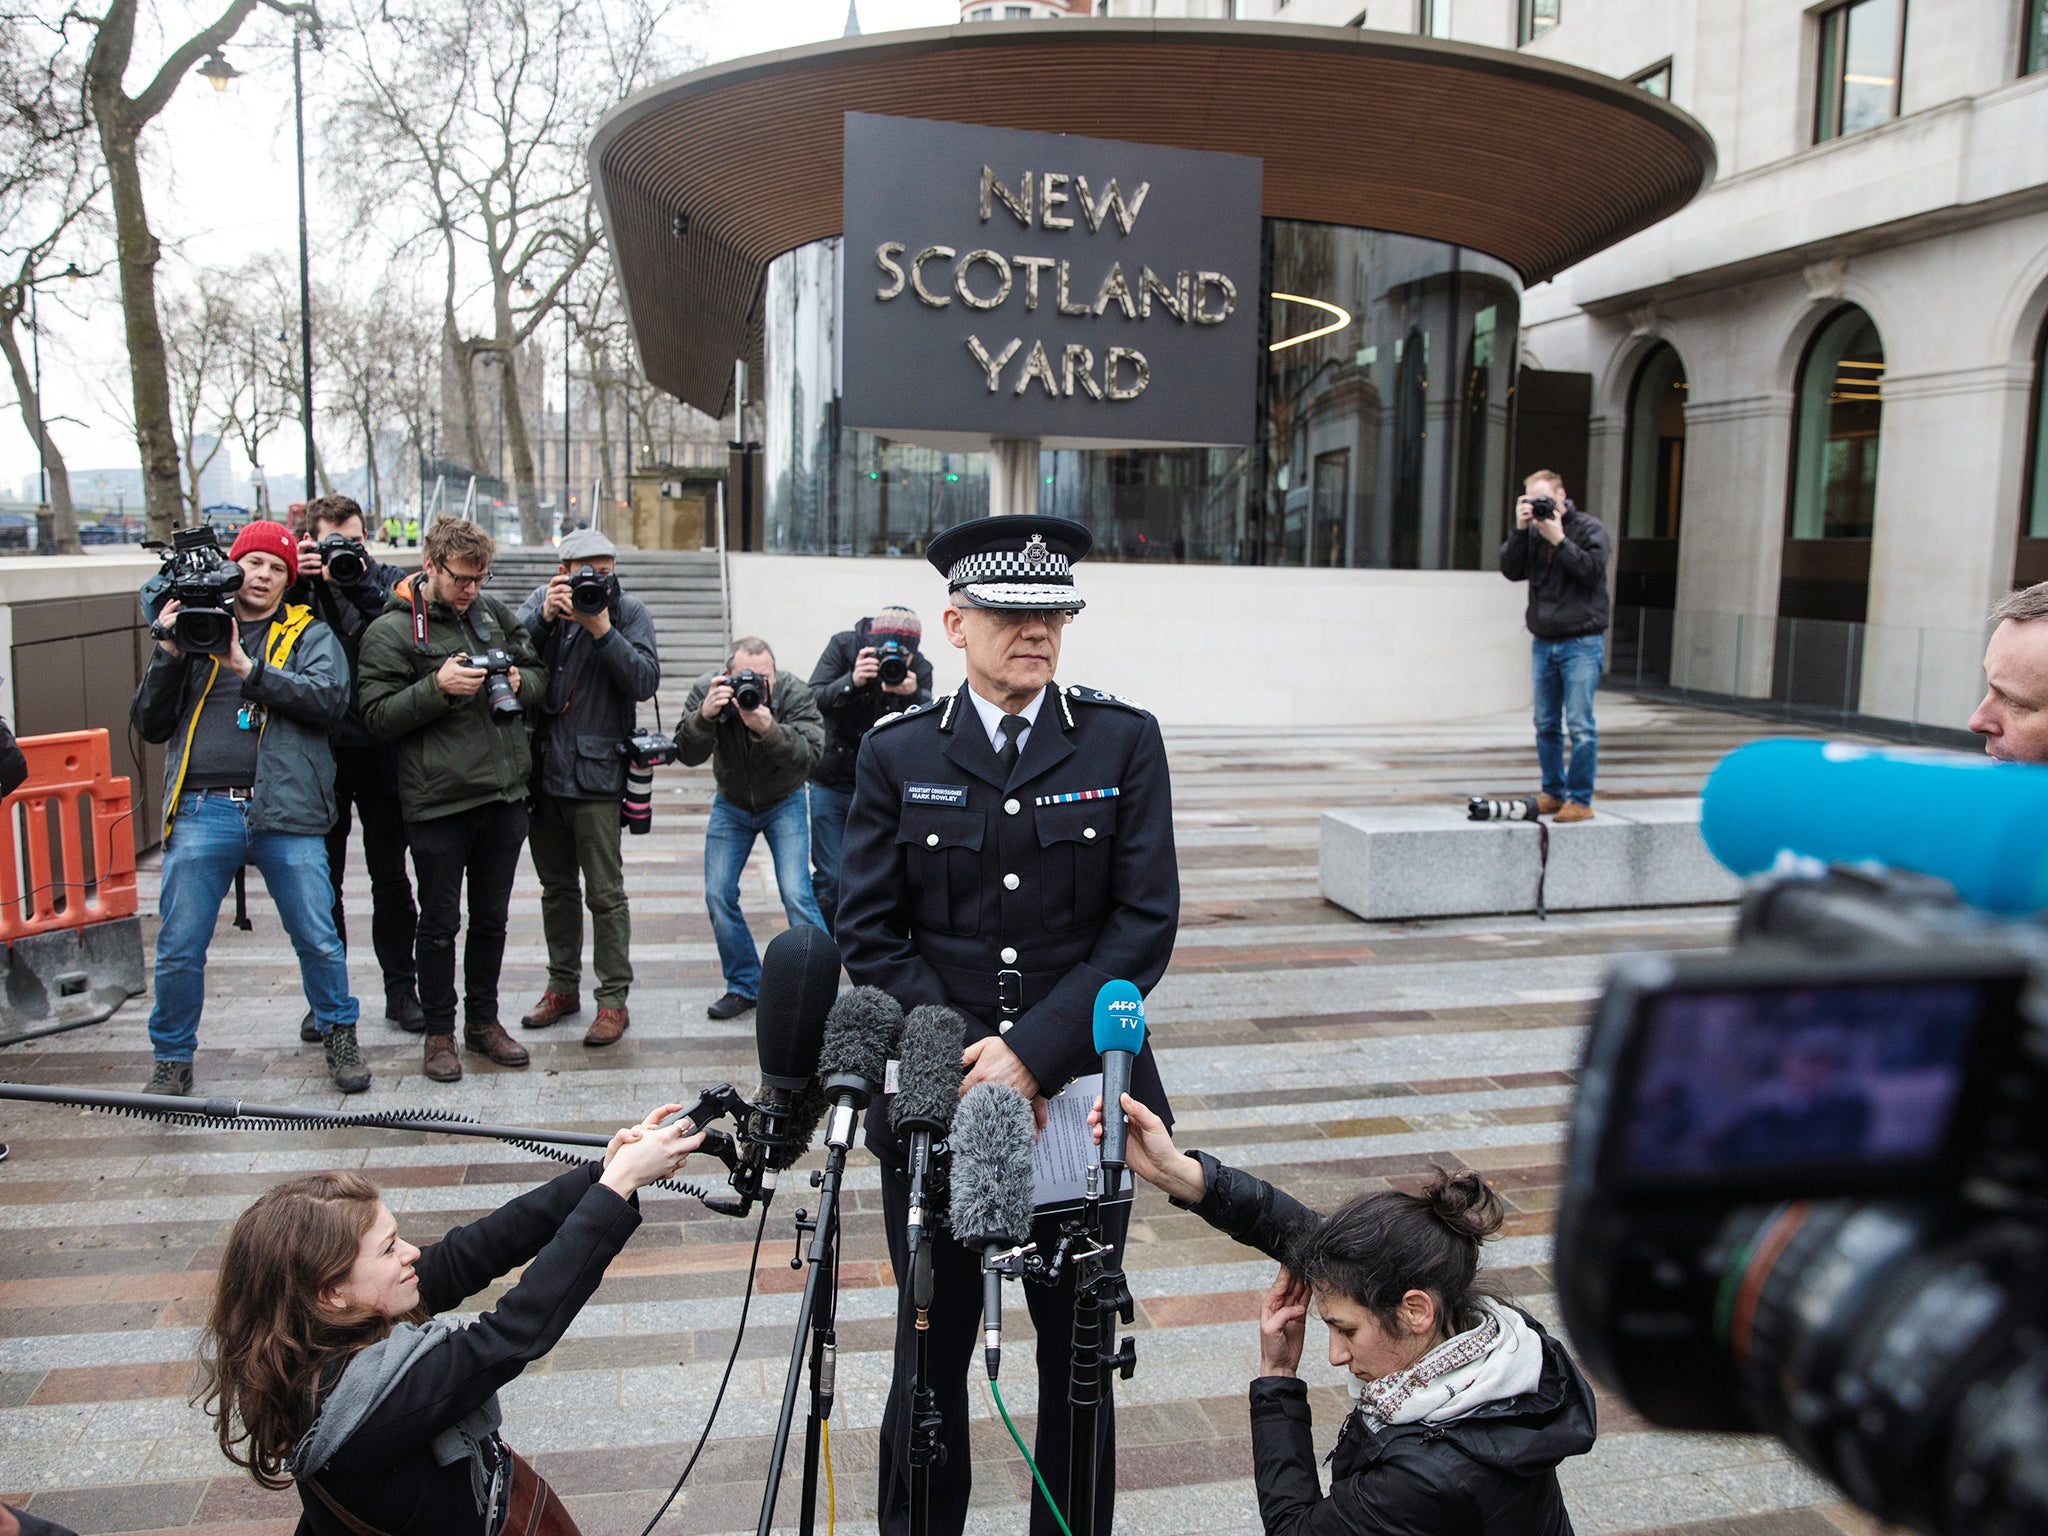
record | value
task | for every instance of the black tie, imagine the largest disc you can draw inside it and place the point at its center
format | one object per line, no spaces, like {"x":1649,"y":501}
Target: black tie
{"x":1012,"y":727}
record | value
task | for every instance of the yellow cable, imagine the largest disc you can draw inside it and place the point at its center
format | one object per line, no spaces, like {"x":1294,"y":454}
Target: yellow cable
{"x":831,"y":1499}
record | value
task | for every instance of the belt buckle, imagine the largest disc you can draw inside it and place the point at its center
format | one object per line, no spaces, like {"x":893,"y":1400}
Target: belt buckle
{"x":243,"y":796}
{"x":1010,"y":991}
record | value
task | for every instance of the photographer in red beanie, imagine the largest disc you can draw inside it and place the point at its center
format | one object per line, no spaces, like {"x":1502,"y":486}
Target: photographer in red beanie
{"x":249,"y":779}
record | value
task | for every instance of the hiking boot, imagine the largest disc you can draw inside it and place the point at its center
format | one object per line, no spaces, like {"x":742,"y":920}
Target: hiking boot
{"x":402,"y":1007}
{"x":172,"y":1077}
{"x":730,"y":1006}
{"x":492,"y":1041}
{"x":442,"y":1064}
{"x":309,"y":1030}
{"x":552,"y":1008}
{"x":606,"y":1028}
{"x":1548,"y":805}
{"x":345,"y":1060}
{"x":1574,"y":812}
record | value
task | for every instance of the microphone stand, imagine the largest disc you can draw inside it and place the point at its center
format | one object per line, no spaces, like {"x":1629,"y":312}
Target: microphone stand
{"x":824,"y":1367}
{"x":1099,"y":1289}
{"x":926,"y":1448}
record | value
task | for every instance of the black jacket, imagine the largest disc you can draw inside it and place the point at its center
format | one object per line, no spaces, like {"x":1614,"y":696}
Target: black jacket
{"x":385,"y":1474}
{"x":1567,"y":581}
{"x":593,"y":686}
{"x":1490,"y":1473}
{"x":347,"y":608}
{"x":850,"y":709}
{"x":13,"y":763}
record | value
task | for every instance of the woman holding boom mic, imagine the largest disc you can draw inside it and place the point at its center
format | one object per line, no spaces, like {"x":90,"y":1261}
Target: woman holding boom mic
{"x":324,"y":1364}
{"x":1465,"y":1405}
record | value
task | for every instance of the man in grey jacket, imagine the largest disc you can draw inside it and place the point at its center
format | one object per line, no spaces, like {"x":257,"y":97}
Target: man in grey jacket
{"x":601,"y":661}
{"x":763,"y":733}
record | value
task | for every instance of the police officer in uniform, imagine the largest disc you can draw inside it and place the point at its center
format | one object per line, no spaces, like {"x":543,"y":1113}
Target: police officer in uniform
{"x":1008,"y":850}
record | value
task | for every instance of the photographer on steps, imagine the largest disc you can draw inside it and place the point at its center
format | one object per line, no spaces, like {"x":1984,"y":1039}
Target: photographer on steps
{"x":598,"y":642}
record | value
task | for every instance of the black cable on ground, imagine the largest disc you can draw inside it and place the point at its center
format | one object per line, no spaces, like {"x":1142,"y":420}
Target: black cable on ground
{"x":746,"y":1305}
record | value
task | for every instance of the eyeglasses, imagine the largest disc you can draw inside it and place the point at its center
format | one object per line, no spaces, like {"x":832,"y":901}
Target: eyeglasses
{"x":478,"y":581}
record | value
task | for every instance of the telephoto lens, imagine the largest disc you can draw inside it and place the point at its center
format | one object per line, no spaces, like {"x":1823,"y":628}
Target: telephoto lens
{"x":636,"y":811}
{"x":1478,"y":808}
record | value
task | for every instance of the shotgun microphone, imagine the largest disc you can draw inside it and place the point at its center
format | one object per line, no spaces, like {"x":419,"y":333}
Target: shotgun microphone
{"x":860,"y":1033}
{"x":927,"y":1095}
{"x":991,"y":1208}
{"x":799,"y":981}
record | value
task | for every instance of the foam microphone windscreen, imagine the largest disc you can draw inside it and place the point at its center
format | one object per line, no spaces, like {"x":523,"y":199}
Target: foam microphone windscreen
{"x":991,"y":1139}
{"x":860,"y":1034}
{"x":799,"y":980}
{"x":928,"y":1070}
{"x":807,"y":1107}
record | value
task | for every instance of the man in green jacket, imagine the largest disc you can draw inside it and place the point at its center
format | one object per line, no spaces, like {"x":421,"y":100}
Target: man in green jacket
{"x":445,"y":675}
{"x":760,"y":758}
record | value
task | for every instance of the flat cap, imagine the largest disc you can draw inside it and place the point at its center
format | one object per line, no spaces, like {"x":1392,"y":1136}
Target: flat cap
{"x":585,"y":544}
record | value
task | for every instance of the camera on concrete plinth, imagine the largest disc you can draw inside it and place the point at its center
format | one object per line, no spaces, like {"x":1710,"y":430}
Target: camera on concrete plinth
{"x":892,"y":662}
{"x":1807,"y":1193}
{"x":749,"y":690}
{"x":1479,"y":808}
{"x":498,"y":687}
{"x":203,"y":581}
{"x":344,"y":556}
{"x":589,"y":593}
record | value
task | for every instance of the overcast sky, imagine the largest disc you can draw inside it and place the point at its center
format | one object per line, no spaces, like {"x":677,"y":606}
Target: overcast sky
{"x":222,"y":189}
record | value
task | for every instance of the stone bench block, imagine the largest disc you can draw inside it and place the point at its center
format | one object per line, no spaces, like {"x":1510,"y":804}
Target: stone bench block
{"x":1429,"y":861}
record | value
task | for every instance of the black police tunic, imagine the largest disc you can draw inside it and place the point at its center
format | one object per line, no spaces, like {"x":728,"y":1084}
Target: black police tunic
{"x":1014,"y":896}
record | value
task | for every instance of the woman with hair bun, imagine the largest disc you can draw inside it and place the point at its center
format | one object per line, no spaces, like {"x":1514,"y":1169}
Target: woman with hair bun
{"x":1465,"y":1405}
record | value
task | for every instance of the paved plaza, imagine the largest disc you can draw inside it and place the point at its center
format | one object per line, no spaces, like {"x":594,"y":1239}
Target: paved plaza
{"x":1325,"y":1053}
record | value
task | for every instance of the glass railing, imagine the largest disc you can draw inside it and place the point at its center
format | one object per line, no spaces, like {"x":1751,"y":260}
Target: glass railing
{"x":1923,"y":679}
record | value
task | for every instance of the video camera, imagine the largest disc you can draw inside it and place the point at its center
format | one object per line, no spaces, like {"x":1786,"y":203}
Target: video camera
{"x":1807,"y":1190}
{"x":203,"y":581}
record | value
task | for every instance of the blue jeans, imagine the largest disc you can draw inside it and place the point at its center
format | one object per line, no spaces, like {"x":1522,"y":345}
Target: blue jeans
{"x":210,"y":841}
{"x":1565,"y":673}
{"x":828,"y":833}
{"x":728,"y":839}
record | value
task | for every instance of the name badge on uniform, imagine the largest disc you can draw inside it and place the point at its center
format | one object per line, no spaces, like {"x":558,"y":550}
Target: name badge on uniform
{"x":935,"y":794}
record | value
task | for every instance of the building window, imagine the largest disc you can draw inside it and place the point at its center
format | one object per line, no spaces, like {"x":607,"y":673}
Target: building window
{"x":1834,"y":467}
{"x":981,"y":13}
{"x":2034,"y":44}
{"x":1016,"y":13}
{"x":1658,"y":81}
{"x":1534,"y":18}
{"x":1656,"y":447}
{"x":2034,"y":515}
{"x":1433,"y":17}
{"x":1862,"y":62}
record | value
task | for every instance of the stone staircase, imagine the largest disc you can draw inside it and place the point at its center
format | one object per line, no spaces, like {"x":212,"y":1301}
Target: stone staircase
{"x":680,"y":589}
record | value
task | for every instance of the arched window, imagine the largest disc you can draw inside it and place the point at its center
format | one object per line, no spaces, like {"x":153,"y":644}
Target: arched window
{"x":2031,"y":565}
{"x":1834,"y":455}
{"x":1656,"y":447}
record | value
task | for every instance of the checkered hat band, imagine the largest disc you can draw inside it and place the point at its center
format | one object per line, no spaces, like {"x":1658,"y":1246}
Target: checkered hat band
{"x":1022,"y":594}
{"x":999,"y":565}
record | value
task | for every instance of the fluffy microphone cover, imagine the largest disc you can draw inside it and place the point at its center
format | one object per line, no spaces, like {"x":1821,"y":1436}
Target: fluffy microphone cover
{"x":860,"y":1034}
{"x":799,"y":980}
{"x":991,"y":1141}
{"x":928,"y":1070}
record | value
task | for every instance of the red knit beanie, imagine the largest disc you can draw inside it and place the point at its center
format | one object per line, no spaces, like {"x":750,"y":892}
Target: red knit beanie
{"x":268,"y":539}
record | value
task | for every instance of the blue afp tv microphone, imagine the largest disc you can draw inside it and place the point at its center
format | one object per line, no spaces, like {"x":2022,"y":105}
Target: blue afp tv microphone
{"x":1981,"y":826}
{"x":1119,"y":1036}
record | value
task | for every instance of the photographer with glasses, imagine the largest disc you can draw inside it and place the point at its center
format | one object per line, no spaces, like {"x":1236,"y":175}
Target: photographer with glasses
{"x":446,"y":676}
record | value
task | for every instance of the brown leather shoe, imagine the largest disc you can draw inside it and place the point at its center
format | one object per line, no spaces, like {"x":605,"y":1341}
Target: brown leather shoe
{"x":609,"y":1024}
{"x":1548,"y":805}
{"x":1574,"y":812}
{"x":492,"y":1041}
{"x":552,"y":1008}
{"x":443,"y":1065}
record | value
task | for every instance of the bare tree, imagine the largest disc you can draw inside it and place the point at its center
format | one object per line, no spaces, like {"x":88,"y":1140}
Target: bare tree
{"x":202,"y":335}
{"x":482,"y":110}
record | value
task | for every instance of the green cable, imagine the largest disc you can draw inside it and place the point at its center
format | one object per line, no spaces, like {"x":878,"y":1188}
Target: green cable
{"x":1049,"y":1502}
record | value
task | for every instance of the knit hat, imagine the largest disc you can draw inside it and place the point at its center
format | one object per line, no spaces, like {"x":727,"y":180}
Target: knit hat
{"x":268,"y":539}
{"x":896,"y":623}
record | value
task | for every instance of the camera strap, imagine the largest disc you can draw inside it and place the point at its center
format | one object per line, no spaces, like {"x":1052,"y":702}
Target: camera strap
{"x":416,"y":595}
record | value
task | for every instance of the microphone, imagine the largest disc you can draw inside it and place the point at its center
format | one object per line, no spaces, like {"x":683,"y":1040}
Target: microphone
{"x":860,"y":1032}
{"x":1981,"y":826}
{"x":991,"y":1206}
{"x":927,"y":1094}
{"x":799,"y":981}
{"x":1119,"y":1036}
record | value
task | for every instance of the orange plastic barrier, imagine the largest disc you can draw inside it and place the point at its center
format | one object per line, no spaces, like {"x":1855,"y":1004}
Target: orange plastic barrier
{"x":49,"y":879}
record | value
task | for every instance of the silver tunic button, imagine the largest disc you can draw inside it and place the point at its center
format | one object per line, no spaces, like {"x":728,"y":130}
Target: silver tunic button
{"x":1087,"y":831}
{"x":931,"y":839}
{"x":1009,"y":957}
{"x":1011,"y":807}
{"x":1011,"y":882}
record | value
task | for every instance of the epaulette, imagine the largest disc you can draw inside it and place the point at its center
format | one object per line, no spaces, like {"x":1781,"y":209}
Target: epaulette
{"x":1097,"y":696}
{"x":900,"y":715}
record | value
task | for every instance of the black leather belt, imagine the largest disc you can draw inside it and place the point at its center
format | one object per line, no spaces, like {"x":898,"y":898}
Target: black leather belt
{"x":998,"y":994}
{"x":232,"y":792}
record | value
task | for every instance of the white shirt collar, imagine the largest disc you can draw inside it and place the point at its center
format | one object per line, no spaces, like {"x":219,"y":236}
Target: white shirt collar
{"x":992,"y":717}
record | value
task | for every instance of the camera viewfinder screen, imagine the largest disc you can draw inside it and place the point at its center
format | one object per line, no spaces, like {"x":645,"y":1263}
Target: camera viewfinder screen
{"x":1762,"y":1082}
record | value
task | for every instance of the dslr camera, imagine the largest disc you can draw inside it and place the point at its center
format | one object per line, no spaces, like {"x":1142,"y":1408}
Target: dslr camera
{"x":648,"y":749}
{"x":1542,"y":508}
{"x":504,"y":698}
{"x":344,"y":556}
{"x":1807,"y":1193}
{"x":749,"y":690}
{"x":203,"y":581}
{"x":893,"y":658}
{"x":589,"y":593}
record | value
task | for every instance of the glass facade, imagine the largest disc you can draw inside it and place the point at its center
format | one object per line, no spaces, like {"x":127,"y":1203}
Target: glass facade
{"x":1861,"y":63}
{"x":1383,"y":441}
{"x":1841,"y":390}
{"x":2034,"y":40}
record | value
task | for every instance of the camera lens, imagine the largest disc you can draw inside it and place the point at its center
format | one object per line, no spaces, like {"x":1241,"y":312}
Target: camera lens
{"x":203,"y":631}
{"x":893,"y":670}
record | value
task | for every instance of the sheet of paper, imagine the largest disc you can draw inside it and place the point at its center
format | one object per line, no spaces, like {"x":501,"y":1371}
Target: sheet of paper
{"x":1066,"y":1149}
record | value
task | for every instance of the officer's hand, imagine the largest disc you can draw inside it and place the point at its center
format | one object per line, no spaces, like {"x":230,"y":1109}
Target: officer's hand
{"x":716,"y":700}
{"x":458,"y":679}
{"x":556,"y":604}
{"x":865,"y":666}
{"x":164,"y":615}
{"x":991,"y":1061}
{"x":907,"y":686}
{"x":759,"y":721}
{"x":1149,"y":1152}
{"x":1522,"y":513}
{"x":1552,"y":529}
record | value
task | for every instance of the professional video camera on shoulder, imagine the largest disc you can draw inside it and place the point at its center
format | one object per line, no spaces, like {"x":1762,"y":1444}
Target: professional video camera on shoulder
{"x":1807,"y":1189}
{"x":202,"y":580}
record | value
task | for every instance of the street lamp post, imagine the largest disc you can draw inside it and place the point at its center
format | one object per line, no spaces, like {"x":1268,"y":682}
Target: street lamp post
{"x":45,"y":529}
{"x":565,"y":418}
{"x":305,"y":263}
